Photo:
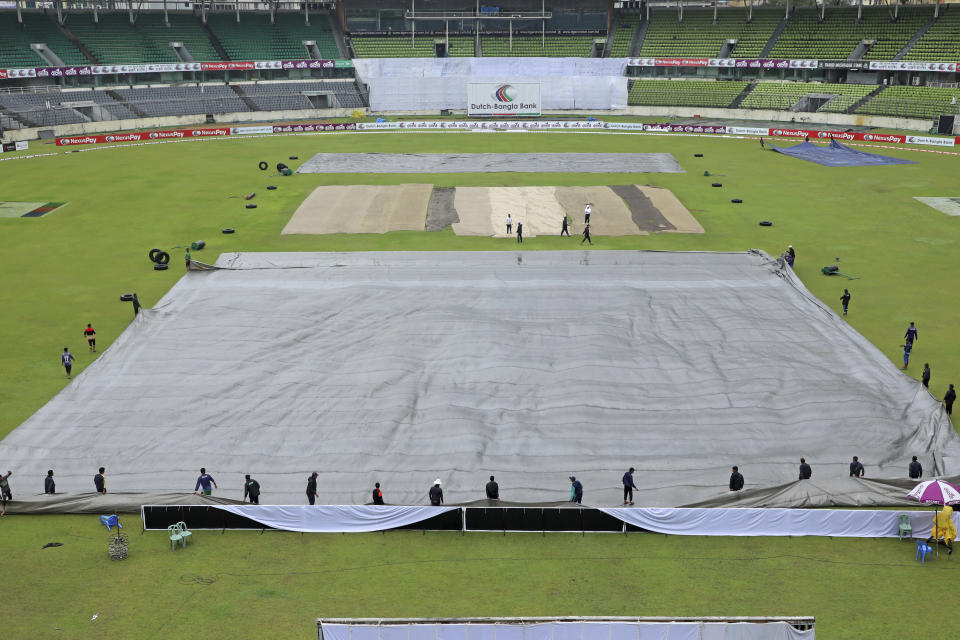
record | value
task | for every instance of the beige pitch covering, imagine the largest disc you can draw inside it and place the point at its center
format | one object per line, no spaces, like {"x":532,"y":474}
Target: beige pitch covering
{"x":672,"y":209}
{"x":362,"y":209}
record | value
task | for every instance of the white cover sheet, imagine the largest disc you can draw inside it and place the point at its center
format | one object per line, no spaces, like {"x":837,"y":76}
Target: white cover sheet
{"x":334,"y":518}
{"x":839,"y":523}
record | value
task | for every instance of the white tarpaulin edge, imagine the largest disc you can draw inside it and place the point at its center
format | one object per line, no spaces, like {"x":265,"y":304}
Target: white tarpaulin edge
{"x":840,"y":523}
{"x":334,"y":518}
{"x":613,"y":630}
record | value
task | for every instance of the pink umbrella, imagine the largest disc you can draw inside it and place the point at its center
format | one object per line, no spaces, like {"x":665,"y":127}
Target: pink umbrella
{"x":935,"y":492}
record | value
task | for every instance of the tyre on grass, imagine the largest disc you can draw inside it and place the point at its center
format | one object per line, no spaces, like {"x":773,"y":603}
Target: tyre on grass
{"x":162,"y":258}
{"x":161,"y":266}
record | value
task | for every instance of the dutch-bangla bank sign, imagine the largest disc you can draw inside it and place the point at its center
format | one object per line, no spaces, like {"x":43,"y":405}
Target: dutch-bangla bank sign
{"x":503,"y":99}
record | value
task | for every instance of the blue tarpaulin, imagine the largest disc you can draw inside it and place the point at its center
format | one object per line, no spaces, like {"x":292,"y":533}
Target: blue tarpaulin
{"x":837,"y":155}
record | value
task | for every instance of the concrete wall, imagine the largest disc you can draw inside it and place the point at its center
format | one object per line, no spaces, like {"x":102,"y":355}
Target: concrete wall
{"x":174,"y":122}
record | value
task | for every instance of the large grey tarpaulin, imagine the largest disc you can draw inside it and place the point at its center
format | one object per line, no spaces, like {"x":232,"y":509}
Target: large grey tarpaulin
{"x":491,"y":162}
{"x":533,"y":366}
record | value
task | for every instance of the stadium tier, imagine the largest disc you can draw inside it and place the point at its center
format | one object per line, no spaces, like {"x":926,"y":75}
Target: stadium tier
{"x":403,"y":47}
{"x":913,"y":102}
{"x":838,"y":35}
{"x":284,"y":96}
{"x":941,"y":42}
{"x":37,"y":28}
{"x":623,"y":36}
{"x":784,"y":96}
{"x":697,"y":35}
{"x":254,"y":38}
{"x":691,"y":93}
{"x":113,"y":40}
{"x":551,"y":46}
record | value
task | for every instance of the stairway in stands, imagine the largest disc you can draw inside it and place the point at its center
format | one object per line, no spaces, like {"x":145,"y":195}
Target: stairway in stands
{"x":773,"y":38}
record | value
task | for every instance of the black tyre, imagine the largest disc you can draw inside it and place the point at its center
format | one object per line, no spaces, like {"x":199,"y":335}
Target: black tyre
{"x":271,"y":187}
{"x":263,"y":165}
{"x":281,"y":167}
{"x":162,"y":258}
{"x":153,"y":254}
{"x":698,"y":155}
{"x":717,"y":184}
{"x":227,"y":230}
{"x":127,"y":297}
{"x":294,"y":157}
{"x":737,"y":200}
{"x":162,"y":266}
{"x":766,"y":223}
{"x":251,"y":206}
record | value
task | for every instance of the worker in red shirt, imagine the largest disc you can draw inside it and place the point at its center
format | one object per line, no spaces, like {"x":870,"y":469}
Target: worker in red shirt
{"x":89,"y":334}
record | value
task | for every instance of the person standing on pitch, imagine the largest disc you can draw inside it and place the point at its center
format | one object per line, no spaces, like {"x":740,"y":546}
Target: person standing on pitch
{"x":509,"y":225}
{"x":915,"y":470}
{"x":845,"y":301}
{"x":907,"y":348}
{"x":89,"y":334}
{"x":586,"y":213}
{"x":948,"y":400}
{"x":251,"y":489}
{"x":576,"y":490}
{"x":911,"y":334}
{"x":925,"y":378}
{"x":805,"y":471}
{"x":5,"y":494}
{"x":565,"y":229}
{"x":186,"y":258}
{"x":628,"y":486}
{"x":377,"y":494}
{"x":519,"y":233}
{"x":49,"y":486}
{"x":736,"y":480}
{"x":100,"y":481}
{"x":205,"y":481}
{"x":586,"y":235}
{"x":436,"y":493}
{"x":67,"y":360}
{"x":493,"y":490}
{"x":312,"y":494}
{"x":856,"y":468}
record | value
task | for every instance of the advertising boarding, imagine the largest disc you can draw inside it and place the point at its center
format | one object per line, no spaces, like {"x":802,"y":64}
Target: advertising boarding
{"x":511,"y":99}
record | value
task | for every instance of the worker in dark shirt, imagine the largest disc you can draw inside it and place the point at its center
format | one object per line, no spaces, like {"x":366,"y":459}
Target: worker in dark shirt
{"x":805,"y":470}
{"x":49,"y":486}
{"x":736,"y":480}
{"x":948,"y":400}
{"x":436,"y":493}
{"x":576,"y":490}
{"x":251,"y":489}
{"x":493,"y":489}
{"x":99,"y":481}
{"x":925,"y":378}
{"x":911,"y":335}
{"x":519,"y":232}
{"x":845,"y":300}
{"x":916,"y":469}
{"x":856,"y":468}
{"x":377,"y":494}
{"x":628,"y":486}
{"x":312,"y":487}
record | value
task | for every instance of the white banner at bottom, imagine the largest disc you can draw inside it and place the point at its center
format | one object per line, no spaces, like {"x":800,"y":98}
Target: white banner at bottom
{"x":840,"y":523}
{"x":333,"y":518}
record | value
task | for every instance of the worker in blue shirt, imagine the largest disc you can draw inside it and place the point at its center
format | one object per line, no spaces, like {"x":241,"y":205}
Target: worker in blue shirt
{"x":576,"y":490}
{"x":911,"y":334}
{"x":204,"y":481}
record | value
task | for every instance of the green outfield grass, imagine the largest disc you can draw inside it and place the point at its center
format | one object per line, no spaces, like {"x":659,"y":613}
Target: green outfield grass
{"x":69,"y":268}
{"x":275,"y":585}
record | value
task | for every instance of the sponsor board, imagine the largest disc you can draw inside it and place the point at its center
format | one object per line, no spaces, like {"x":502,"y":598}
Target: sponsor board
{"x":748,"y":131}
{"x":724,"y":63}
{"x":100,"y":70}
{"x":503,"y":99}
{"x":313,"y":127}
{"x":246,"y":131}
{"x":936,"y":142}
{"x":499,"y":125}
{"x":170,"y":134}
{"x":907,"y":65}
{"x":683,"y":128}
